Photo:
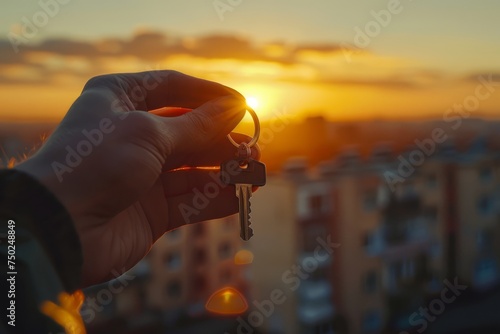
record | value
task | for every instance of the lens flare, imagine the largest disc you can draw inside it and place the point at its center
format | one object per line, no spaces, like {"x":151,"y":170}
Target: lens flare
{"x":252,"y":102}
{"x":227,"y":301}
{"x":243,"y":257}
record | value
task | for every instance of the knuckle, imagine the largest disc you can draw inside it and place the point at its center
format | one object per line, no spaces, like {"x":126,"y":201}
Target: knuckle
{"x":146,"y":128}
{"x":141,"y":122}
{"x":101,"y":81}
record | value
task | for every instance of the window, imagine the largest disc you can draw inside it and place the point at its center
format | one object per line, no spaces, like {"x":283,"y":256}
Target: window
{"x":486,"y":272}
{"x":372,"y":321}
{"x":431,"y":181}
{"x":313,"y":200}
{"x":431,"y":214}
{"x":484,"y":241}
{"x":199,"y":284}
{"x":173,"y":260}
{"x":400,"y":271}
{"x":367,"y":240}
{"x":326,"y":328}
{"x":200,"y":256}
{"x":319,"y":274}
{"x":228,"y":224}
{"x":316,"y":204}
{"x":486,"y":174}
{"x":174,"y":289}
{"x":225,"y":250}
{"x":370,"y":282}
{"x":199,"y":229}
{"x":311,"y":235}
{"x":370,"y":200}
{"x":174,"y":234}
{"x":408,"y":268}
{"x":485,"y":205}
{"x":371,"y":242}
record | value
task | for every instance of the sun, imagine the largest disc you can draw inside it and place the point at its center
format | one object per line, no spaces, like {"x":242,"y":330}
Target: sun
{"x":253,"y":102}
{"x":265,"y":99}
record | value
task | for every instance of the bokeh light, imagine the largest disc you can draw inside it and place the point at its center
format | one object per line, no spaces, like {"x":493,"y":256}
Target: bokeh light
{"x":243,"y":257}
{"x":227,"y":301}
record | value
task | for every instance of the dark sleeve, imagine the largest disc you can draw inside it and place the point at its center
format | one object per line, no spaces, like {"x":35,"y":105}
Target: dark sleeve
{"x":40,"y":253}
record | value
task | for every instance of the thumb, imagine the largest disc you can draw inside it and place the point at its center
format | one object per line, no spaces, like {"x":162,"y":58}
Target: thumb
{"x":206,"y":124}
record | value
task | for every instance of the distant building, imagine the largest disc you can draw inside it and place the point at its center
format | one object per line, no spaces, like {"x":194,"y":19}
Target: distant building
{"x":190,"y":263}
{"x":396,"y":248}
{"x":289,"y":214}
{"x":173,"y":283}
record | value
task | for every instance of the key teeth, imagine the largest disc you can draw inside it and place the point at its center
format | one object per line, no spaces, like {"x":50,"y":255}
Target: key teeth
{"x":249,"y":211}
{"x":250,"y":230}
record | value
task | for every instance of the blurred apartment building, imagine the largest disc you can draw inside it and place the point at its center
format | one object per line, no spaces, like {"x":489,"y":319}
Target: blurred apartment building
{"x":191,"y":263}
{"x":396,"y":247}
{"x":170,"y":287}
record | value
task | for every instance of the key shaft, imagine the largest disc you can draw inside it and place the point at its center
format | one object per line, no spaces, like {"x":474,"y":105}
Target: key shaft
{"x":244,"y":192}
{"x":244,"y":174}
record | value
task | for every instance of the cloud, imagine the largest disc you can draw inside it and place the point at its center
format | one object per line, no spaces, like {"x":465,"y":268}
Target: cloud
{"x":65,"y":47}
{"x":229,"y":54}
{"x":7,"y":54}
{"x":491,"y":76}
{"x":322,"y":48}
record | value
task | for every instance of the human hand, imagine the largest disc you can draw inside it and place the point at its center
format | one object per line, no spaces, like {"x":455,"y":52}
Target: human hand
{"x":118,"y":185}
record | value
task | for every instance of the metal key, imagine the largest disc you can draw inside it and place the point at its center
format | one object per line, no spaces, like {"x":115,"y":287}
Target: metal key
{"x":244,"y":173}
{"x":244,"y":192}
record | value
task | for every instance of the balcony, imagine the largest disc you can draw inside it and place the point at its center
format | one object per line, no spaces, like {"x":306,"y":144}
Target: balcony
{"x":315,"y":291}
{"x":412,"y":236}
{"x":321,"y":261}
{"x":315,"y":313}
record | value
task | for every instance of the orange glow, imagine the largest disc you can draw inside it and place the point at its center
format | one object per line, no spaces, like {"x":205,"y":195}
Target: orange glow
{"x":11,"y":163}
{"x":170,"y":111}
{"x":227,"y":301}
{"x":265,"y":98}
{"x":214,"y":168}
{"x":253,"y":102}
{"x":67,"y":313}
{"x":243,"y":257}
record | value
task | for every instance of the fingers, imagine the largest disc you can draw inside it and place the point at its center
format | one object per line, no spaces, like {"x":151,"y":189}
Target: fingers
{"x":221,"y":150}
{"x":217,"y":108}
{"x":185,"y":197}
{"x":192,"y":208}
{"x":188,"y":181}
{"x":204,"y":126}
{"x":155,"y":89}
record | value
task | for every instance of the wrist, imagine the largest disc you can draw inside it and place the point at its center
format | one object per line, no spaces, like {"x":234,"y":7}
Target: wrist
{"x":41,"y":170}
{"x":34,"y":208}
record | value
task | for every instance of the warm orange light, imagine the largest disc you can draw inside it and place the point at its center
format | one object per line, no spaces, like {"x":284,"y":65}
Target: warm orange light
{"x":243,"y":257}
{"x":67,"y":313}
{"x":253,"y":102}
{"x":264,"y":99}
{"x":214,"y":168}
{"x":170,"y":111}
{"x":227,"y":301}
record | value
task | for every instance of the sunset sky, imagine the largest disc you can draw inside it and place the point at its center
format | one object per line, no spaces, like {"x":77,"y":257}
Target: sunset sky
{"x":305,"y":57}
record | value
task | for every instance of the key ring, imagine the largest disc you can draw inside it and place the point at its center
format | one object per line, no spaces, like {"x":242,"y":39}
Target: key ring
{"x":256,"y":135}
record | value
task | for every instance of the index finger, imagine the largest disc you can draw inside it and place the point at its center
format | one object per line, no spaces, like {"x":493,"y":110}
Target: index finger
{"x":155,"y":89}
